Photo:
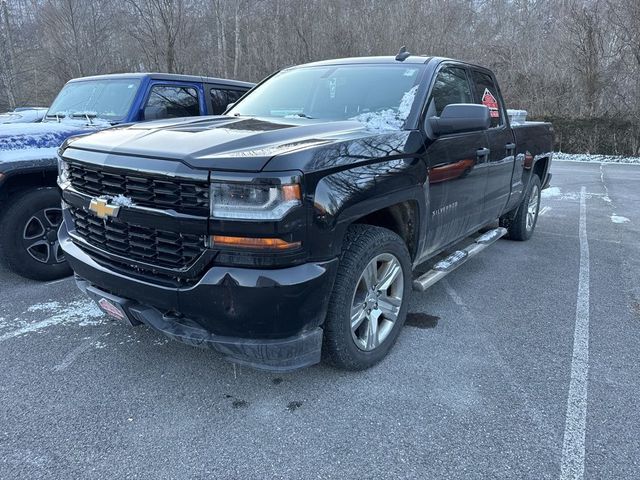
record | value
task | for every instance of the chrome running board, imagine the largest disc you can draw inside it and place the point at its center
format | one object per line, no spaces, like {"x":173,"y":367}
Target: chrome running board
{"x":447,"y":265}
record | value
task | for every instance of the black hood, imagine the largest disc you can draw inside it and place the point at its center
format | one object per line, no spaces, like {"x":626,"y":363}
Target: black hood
{"x":239,"y":144}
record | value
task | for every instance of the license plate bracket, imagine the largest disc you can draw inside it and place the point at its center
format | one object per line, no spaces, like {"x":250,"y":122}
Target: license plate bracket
{"x":113,"y":306}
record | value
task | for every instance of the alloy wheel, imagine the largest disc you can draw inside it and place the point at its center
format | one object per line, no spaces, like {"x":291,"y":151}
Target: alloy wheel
{"x":376,"y":301}
{"x":40,"y":236}
{"x":532,"y":208}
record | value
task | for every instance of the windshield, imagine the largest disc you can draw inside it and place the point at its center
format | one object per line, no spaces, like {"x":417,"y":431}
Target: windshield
{"x":380,"y":96}
{"x":106,"y":99}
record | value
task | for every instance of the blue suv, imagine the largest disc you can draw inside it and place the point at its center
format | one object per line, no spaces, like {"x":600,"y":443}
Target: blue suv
{"x":29,"y":199}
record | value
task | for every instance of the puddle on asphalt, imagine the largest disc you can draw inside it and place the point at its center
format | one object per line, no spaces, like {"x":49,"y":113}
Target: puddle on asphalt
{"x":421,"y":320}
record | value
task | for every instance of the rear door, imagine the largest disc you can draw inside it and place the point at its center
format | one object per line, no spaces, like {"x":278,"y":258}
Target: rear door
{"x":501,"y":145}
{"x":456,"y":162}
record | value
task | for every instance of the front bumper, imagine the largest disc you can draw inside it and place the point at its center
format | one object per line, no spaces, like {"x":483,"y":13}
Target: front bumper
{"x":268,"y":319}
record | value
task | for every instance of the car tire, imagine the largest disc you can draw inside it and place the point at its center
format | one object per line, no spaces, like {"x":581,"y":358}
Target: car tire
{"x":29,"y":235}
{"x":523,"y":224}
{"x":362,"y":323}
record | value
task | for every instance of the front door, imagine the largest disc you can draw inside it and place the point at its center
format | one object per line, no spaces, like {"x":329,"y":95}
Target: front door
{"x":457,"y":167}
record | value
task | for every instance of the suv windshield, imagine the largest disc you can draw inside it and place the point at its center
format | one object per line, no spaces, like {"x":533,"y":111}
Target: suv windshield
{"x":106,"y":99}
{"x":380,"y":96}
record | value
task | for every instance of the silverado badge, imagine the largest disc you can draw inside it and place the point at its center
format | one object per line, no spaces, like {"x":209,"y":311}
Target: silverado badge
{"x":101,"y":207}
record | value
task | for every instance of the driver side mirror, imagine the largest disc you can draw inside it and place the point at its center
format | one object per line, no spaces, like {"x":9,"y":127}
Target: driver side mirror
{"x":461,"y":117}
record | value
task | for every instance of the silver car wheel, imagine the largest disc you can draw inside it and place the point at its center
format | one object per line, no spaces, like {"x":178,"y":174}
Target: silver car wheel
{"x":532,"y":208}
{"x":376,"y":301}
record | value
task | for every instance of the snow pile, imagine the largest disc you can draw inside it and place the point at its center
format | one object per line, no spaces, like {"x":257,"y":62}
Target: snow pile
{"x":586,"y":157}
{"x":619,"y":219}
{"x":391,"y":118}
{"x":551,"y":192}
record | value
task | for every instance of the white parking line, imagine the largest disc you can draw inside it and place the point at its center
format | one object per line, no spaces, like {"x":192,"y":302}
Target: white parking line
{"x":572,"y":464}
{"x":452,"y":293}
{"x":66,"y":279}
{"x":72,"y":355}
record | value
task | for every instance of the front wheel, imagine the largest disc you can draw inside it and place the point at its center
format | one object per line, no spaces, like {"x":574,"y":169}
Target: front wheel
{"x":522,"y":226}
{"x":368,"y":305}
{"x":29,"y":235}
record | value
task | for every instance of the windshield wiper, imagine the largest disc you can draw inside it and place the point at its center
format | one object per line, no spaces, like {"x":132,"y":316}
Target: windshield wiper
{"x":57,"y":116}
{"x":89,"y":116}
{"x":300,"y":114}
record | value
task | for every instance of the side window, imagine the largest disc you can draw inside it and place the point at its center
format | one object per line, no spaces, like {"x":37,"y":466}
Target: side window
{"x":486,"y":93}
{"x":221,"y":98}
{"x":451,"y":86}
{"x":167,"y":101}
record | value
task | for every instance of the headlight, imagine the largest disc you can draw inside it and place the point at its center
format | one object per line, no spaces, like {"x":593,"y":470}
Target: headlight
{"x":63,"y":173}
{"x":253,"y":201}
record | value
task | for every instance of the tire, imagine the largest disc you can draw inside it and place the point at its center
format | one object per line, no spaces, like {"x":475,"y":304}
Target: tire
{"x":524,"y":223}
{"x":29,"y":235}
{"x":359,"y":349}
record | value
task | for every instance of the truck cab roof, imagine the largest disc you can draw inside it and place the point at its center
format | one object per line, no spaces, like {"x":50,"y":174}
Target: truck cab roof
{"x":391,"y":60}
{"x":412,"y":59}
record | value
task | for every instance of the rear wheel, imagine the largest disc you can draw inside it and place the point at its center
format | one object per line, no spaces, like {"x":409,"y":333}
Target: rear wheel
{"x":368,"y":305}
{"x":30,"y":236}
{"x":522,"y":226}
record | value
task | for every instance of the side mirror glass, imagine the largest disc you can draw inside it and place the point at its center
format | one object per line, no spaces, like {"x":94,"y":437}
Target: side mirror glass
{"x":461,"y":117}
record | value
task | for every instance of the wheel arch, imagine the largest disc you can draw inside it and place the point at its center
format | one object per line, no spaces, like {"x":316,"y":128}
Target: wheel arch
{"x":401,"y":218}
{"x":16,"y":183}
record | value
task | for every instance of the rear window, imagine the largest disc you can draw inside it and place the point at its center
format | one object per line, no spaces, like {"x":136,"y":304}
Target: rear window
{"x":221,"y":98}
{"x":486,"y":94}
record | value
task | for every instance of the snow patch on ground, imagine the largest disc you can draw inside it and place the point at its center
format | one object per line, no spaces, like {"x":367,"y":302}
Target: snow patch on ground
{"x":556,"y":193}
{"x":78,"y":312}
{"x":44,"y":307}
{"x":619,"y":219}
{"x":586,"y":157}
{"x":551,"y":192}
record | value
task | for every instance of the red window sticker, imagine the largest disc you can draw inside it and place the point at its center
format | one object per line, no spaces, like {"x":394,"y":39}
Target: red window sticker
{"x":490,"y":101}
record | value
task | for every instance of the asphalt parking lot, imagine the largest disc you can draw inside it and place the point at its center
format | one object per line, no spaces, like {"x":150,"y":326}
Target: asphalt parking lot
{"x":476,"y":387}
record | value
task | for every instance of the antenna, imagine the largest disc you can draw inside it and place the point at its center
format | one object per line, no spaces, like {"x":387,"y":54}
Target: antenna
{"x":402,"y":54}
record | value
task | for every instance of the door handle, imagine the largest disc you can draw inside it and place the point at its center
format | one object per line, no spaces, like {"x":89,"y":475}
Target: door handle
{"x":510,"y":148}
{"x":482,"y":154}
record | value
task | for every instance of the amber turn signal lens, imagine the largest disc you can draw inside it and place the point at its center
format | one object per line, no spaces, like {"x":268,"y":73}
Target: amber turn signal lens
{"x":257,"y":243}
{"x":291,"y":192}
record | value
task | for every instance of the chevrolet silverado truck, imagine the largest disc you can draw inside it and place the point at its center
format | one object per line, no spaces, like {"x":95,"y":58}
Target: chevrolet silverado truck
{"x":29,"y":199}
{"x":288,"y":229}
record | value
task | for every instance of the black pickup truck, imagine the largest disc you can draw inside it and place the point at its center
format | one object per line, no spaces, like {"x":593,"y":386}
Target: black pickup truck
{"x":290,"y":227}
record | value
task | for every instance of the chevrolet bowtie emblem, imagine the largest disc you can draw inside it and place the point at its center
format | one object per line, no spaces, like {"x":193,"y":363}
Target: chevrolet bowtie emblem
{"x":102,"y":209}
